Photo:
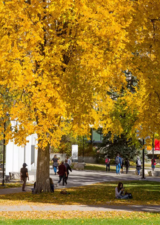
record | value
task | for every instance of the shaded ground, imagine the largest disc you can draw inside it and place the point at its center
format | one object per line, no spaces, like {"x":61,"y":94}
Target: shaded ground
{"x":80,"y":208}
{"x":78,"y":178}
{"x":144,"y":193}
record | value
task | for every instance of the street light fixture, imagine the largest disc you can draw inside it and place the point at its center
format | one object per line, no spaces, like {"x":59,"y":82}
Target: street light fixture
{"x":4,"y":148}
{"x":143,"y":175}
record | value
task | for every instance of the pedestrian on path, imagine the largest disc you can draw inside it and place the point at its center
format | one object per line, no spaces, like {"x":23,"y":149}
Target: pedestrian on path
{"x":118,"y":165}
{"x":138,"y":165}
{"x":55,"y":164}
{"x":24,"y":175}
{"x":107,"y":162}
{"x":127,"y":165}
{"x":69,"y":161}
{"x":68,"y":168}
{"x":62,"y":171}
{"x":153,"y":164}
{"x":122,"y":163}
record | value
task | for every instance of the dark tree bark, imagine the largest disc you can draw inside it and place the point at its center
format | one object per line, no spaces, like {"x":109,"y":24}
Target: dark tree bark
{"x":42,"y":176}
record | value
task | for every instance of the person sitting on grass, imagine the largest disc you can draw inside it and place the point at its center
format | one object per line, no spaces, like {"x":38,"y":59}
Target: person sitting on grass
{"x":119,"y":192}
{"x":51,"y":184}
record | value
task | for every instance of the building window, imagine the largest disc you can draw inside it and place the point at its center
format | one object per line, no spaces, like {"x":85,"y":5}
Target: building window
{"x":32,"y":154}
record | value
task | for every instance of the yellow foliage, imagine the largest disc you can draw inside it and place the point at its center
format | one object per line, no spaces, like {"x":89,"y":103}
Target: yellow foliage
{"x":58,"y":60}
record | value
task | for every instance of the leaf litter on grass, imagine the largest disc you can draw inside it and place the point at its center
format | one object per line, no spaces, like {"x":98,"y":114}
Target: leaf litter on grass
{"x":77,"y":215}
{"x":144,"y":193}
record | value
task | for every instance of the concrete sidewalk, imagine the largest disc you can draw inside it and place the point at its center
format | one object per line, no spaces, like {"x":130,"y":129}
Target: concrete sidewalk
{"x":82,"y":208}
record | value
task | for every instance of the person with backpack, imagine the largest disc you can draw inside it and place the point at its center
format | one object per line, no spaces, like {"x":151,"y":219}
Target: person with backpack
{"x":138,"y":165}
{"x":51,"y":184}
{"x":127,"y":164}
{"x":153,"y":164}
{"x":107,"y":162}
{"x":121,"y":163}
{"x":118,"y":164}
{"x":55,"y":164}
{"x":120,"y":193}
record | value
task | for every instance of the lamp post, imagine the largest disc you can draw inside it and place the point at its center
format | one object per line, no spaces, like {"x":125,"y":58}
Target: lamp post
{"x":83,"y":148}
{"x":153,"y":148}
{"x":4,"y":148}
{"x":143,"y":175}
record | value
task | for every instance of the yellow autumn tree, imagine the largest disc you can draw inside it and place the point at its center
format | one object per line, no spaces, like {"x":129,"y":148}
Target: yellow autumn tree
{"x":58,"y":60}
{"x":144,"y":43}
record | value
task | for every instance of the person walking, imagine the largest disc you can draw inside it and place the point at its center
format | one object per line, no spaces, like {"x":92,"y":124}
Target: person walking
{"x":153,"y":164}
{"x":107,"y":162}
{"x":138,"y":165}
{"x":118,"y":165}
{"x":127,"y":165}
{"x":62,"y":172}
{"x":55,"y":163}
{"x":24,"y":175}
{"x":122,"y":163}
{"x":68,"y":168}
{"x":68,"y":161}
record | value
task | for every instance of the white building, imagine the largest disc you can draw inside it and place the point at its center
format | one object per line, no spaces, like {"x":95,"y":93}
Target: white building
{"x":17,"y":155}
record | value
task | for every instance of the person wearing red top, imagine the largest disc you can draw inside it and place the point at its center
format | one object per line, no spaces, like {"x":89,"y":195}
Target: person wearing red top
{"x":153,"y":163}
{"x":62,"y":172}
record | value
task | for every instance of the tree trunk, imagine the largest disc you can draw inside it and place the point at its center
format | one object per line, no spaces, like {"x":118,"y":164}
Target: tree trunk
{"x":42,"y":176}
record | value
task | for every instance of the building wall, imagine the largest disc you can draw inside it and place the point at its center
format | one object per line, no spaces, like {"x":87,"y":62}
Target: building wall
{"x":17,"y":155}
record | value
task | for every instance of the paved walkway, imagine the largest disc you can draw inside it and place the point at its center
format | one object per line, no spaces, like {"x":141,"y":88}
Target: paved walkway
{"x":83,"y":178}
{"x":80,"y":178}
{"x":104,"y":208}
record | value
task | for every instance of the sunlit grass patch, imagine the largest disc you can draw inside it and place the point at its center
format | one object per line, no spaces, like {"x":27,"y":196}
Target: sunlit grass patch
{"x":144,"y":193}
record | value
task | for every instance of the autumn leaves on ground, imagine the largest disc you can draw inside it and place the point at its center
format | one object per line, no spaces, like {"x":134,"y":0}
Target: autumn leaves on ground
{"x":144,"y":193}
{"x":71,"y":218}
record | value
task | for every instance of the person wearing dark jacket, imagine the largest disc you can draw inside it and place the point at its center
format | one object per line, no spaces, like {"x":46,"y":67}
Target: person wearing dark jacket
{"x":127,"y":165}
{"x":24,"y":175}
{"x":68,"y":168}
{"x":62,"y":172}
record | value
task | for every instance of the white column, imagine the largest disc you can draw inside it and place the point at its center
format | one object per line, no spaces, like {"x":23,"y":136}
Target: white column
{"x":9,"y":157}
{"x":28,"y":153}
{"x":20,"y":156}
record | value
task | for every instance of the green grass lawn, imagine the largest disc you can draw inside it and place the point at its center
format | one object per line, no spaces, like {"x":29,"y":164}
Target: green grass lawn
{"x":116,"y":221}
{"x":144,"y":193}
{"x":102,"y":167}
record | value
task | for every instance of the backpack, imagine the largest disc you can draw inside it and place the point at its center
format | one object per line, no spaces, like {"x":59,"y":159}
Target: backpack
{"x":130,"y":196}
{"x":117,"y":161}
{"x":138,"y":162}
{"x":107,"y":161}
{"x":153,"y":162}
